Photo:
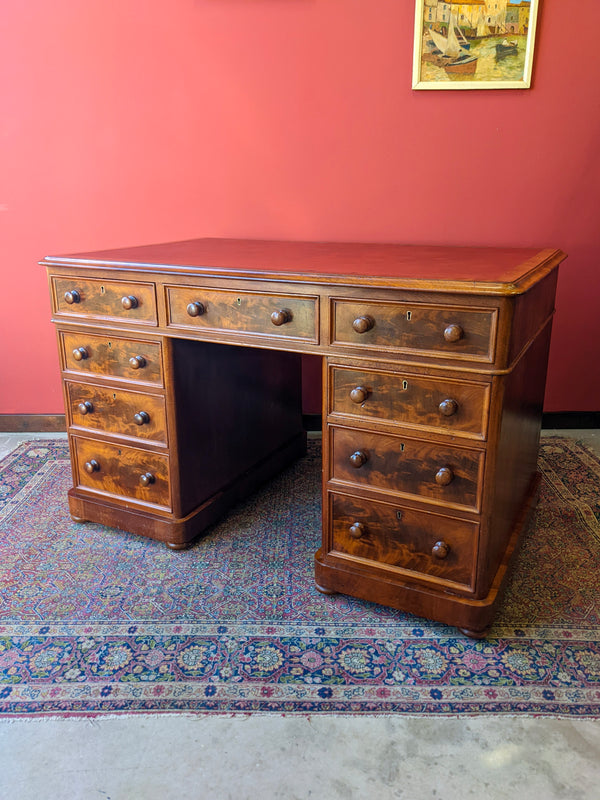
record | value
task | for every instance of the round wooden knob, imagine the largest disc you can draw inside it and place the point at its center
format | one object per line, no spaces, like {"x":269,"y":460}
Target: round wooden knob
{"x":453,"y":333}
{"x":72,"y":297}
{"x":141,"y":418}
{"x":359,"y":394}
{"x":85,"y":408}
{"x":448,"y":407}
{"x":357,"y":529}
{"x":358,"y":458}
{"x":195,"y":309}
{"x":137,"y":362}
{"x":363,"y":324}
{"x":440,"y":549}
{"x":444,"y":476}
{"x":80,"y":353}
{"x":129,"y":301}
{"x":281,"y":316}
{"x":147,"y":478}
{"x":92,"y":466}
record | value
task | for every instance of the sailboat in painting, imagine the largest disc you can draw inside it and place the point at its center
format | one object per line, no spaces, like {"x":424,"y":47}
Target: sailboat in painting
{"x":448,"y":53}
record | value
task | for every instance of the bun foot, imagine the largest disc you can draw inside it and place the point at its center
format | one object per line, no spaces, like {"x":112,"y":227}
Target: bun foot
{"x":472,"y":634}
{"x":179,"y":545}
{"x":323,"y":590}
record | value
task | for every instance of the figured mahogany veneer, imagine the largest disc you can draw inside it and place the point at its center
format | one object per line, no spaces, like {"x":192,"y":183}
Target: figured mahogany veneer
{"x":409,"y":399}
{"x":112,"y":300}
{"x":181,"y":372}
{"x":125,"y":413}
{"x":242,"y":311}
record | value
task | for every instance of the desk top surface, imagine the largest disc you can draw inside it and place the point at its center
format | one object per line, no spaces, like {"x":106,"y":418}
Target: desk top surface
{"x":485,"y":270}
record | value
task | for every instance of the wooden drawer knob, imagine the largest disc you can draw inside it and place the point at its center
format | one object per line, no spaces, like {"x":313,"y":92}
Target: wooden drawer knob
{"x":85,"y":408}
{"x":137,"y":362}
{"x":440,"y":549}
{"x":448,"y":407}
{"x":281,"y":316}
{"x":453,"y":333}
{"x":444,"y":476}
{"x":357,"y":529}
{"x":358,"y":458}
{"x":195,"y":309}
{"x":141,"y":418}
{"x":72,"y":297}
{"x":80,"y":353}
{"x":359,"y":394}
{"x":363,"y":324}
{"x":92,"y":466}
{"x":129,"y":301}
{"x":147,"y":478}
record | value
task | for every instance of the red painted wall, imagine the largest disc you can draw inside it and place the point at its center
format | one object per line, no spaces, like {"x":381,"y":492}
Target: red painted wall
{"x":140,"y":121}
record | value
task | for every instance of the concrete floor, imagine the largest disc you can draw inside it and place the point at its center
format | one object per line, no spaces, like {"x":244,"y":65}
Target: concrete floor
{"x":292,"y":758}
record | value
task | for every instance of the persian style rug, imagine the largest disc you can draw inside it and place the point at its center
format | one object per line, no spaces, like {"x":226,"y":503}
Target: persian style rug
{"x":96,"y":621}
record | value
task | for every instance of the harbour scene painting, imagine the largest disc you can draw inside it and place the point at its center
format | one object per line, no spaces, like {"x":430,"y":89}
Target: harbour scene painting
{"x":474,"y":44}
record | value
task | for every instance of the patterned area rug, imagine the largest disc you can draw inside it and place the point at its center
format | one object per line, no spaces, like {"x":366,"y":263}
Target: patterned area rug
{"x":95,"y":621}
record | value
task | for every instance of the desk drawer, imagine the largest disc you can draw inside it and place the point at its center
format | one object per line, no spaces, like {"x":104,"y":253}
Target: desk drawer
{"x":436,"y":546}
{"x":130,"y":359}
{"x":117,"y":411}
{"x":436,"y":330}
{"x":119,"y":300}
{"x":122,"y":471}
{"x":410,"y":399}
{"x":430,"y":471}
{"x":249,"y":313}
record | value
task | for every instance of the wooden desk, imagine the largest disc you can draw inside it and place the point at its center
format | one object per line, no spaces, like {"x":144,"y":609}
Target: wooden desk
{"x":181,"y":372}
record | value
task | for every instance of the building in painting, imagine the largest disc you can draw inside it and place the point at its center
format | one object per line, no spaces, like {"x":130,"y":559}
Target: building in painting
{"x":524,"y":12}
{"x":495,"y":16}
{"x":477,"y":18}
{"x":467,"y":14}
{"x":436,"y":14}
{"x":515,"y":19}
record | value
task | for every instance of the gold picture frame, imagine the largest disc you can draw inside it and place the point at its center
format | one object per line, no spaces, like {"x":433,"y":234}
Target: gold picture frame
{"x":477,"y":44}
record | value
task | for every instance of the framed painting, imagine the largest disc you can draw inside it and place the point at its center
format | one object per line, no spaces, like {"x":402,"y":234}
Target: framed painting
{"x":474,"y":44}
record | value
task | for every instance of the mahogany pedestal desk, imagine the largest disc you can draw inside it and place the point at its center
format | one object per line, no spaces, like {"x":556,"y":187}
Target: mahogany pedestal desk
{"x":181,"y":371}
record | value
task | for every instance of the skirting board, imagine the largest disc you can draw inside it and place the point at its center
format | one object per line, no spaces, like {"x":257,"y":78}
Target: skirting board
{"x":33,"y":423}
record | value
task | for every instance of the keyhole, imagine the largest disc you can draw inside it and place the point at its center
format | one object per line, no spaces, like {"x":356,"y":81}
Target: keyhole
{"x":401,"y":447}
{"x":239,"y":301}
{"x":102,"y":290}
{"x":109,"y":345}
{"x":405,"y":385}
{"x":409,"y":315}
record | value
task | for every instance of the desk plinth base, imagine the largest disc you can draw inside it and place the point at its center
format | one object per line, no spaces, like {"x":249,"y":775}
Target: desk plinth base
{"x":335,"y":574}
{"x":180,"y":532}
